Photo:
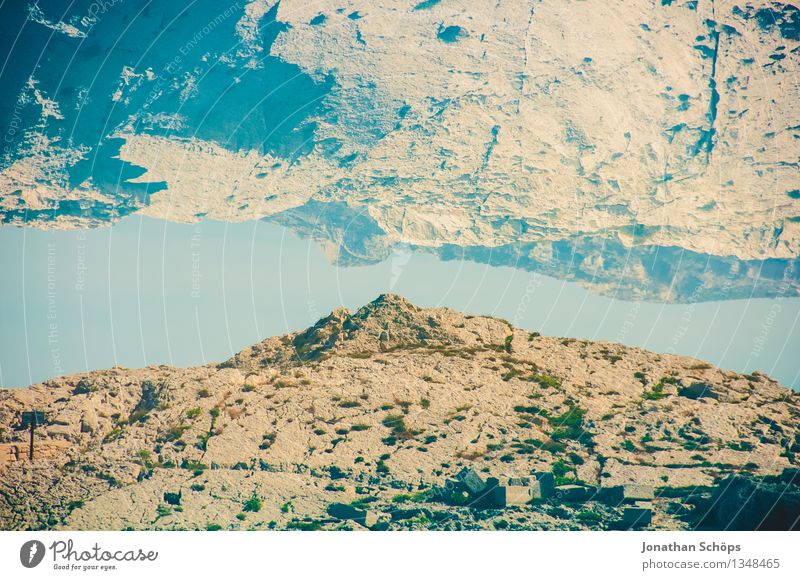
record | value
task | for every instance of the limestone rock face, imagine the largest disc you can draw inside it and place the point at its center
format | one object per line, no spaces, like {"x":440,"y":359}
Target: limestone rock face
{"x":378,"y":410}
{"x":518,"y":131}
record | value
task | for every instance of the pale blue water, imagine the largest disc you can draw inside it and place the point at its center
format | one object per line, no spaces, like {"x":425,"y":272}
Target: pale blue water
{"x":150,"y":292}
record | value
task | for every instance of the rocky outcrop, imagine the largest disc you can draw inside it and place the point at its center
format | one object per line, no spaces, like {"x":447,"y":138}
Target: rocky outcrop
{"x":744,"y":503}
{"x":491,"y":128}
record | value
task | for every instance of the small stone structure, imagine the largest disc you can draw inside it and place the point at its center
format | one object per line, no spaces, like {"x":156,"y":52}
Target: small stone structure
{"x":471,"y":481}
{"x":11,"y":453}
{"x":629,"y":493}
{"x":546,"y":481}
{"x":511,"y":491}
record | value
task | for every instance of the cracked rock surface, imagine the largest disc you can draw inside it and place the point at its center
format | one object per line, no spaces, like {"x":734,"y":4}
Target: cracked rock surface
{"x":441,"y":125}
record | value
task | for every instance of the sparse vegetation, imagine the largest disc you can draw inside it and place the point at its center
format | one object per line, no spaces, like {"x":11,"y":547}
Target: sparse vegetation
{"x":546,"y":381}
{"x":113,"y":435}
{"x":569,"y":425}
{"x":267,"y":440}
{"x":655,"y":393}
{"x":398,"y":427}
{"x":253,"y":504}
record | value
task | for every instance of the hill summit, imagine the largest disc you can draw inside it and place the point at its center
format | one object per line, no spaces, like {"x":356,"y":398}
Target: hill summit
{"x":380,"y":410}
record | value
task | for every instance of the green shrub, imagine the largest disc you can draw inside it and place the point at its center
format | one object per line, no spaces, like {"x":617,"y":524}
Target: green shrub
{"x":549,"y":445}
{"x":561,"y":469}
{"x":569,"y":425}
{"x":589,"y":517}
{"x":532,"y":409}
{"x":267,"y":440}
{"x":193,"y":413}
{"x":546,"y":381}
{"x":399,"y":429}
{"x":78,"y":503}
{"x":172,"y":498}
{"x":306,"y":525}
{"x":655,"y":393}
{"x":739,"y":445}
{"x":194,"y":465}
{"x":174,"y":433}
{"x":113,"y":435}
{"x":576,"y":459}
{"x":253,"y":504}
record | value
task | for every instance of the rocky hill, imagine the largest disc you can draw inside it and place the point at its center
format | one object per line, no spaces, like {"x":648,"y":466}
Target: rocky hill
{"x":376,"y":411}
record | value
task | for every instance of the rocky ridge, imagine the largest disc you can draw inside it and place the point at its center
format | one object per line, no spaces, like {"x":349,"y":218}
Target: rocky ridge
{"x":379,"y":408}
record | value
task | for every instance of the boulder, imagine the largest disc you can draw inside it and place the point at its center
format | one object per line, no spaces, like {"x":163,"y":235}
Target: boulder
{"x":746,"y":503}
{"x":790,"y":475}
{"x":698,"y":391}
{"x":344,"y":511}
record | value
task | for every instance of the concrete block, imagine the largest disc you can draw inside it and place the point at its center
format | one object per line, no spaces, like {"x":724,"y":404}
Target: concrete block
{"x":510,"y":495}
{"x":546,"y":483}
{"x":575,"y":493}
{"x":637,"y":517}
{"x":628,"y":493}
{"x":471,"y":481}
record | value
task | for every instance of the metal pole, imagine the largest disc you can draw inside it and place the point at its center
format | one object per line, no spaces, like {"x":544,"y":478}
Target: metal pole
{"x":30,"y":451}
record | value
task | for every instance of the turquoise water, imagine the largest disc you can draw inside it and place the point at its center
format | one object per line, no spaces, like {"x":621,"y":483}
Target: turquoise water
{"x":150,"y":292}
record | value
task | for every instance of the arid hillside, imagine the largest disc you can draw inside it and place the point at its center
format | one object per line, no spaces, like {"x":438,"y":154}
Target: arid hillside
{"x":375,"y":412}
